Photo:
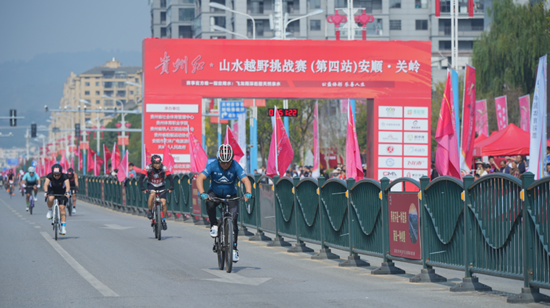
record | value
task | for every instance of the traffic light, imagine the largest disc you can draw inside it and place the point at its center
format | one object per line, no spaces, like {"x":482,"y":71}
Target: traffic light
{"x":33,"y":130}
{"x":77,"y":130}
{"x":13,"y":120}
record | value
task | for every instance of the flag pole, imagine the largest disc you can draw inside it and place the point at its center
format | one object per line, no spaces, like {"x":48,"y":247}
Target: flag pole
{"x":276,"y":143}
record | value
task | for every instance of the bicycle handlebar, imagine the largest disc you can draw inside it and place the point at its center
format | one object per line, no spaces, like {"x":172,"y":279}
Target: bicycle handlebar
{"x":227,"y":199}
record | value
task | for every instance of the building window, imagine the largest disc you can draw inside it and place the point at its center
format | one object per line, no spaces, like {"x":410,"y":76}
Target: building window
{"x":96,"y":92}
{"x":97,"y":84}
{"x":477,"y":24}
{"x":445,"y":6}
{"x":186,"y":14}
{"x":108,"y":84}
{"x":188,"y":1}
{"x":120,"y":93}
{"x":395,"y":4}
{"x":108,"y":74}
{"x":314,"y":4}
{"x":375,"y":28}
{"x":294,"y":27}
{"x":465,"y":45}
{"x":184,"y":32}
{"x":163,"y":17}
{"x":259,"y":27}
{"x":162,"y":3}
{"x":163,"y":32}
{"x":131,"y":92}
{"x":444,"y":45}
{"x":220,"y":21}
{"x":86,"y":92}
{"x":315,"y":25}
{"x":121,"y":84}
{"x":87,"y":84}
{"x":421,"y":24}
{"x":108,"y":103}
{"x":420,"y":4}
{"x":395,"y":24}
{"x":108,"y":93}
{"x":97,"y":102}
{"x":255,"y":7}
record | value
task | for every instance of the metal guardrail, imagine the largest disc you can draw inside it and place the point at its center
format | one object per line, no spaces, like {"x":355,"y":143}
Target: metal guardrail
{"x":497,"y":225}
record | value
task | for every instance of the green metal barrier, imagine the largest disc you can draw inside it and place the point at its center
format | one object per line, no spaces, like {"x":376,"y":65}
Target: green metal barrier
{"x":334,"y":209}
{"x":285,"y":216}
{"x":366,"y":218}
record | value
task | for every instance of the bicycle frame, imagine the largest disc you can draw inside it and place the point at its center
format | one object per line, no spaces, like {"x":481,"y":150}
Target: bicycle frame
{"x":157,"y":209}
{"x":56,"y":219}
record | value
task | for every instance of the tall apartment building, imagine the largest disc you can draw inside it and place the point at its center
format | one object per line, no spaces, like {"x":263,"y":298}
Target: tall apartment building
{"x":92,"y":86}
{"x":394,"y":20}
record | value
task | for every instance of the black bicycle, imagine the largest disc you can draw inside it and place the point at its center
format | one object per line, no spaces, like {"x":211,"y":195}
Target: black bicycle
{"x":156,"y":222}
{"x":70,"y":202}
{"x":56,"y":217}
{"x":223,"y":243}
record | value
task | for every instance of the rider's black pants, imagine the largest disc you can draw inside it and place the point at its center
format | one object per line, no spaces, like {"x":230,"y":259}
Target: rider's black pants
{"x":233,"y":208}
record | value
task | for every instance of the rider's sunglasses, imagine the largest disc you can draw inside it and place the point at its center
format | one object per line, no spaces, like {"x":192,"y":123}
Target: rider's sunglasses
{"x":57,"y":174}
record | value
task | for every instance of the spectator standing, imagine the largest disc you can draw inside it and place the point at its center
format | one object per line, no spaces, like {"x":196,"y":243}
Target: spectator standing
{"x":255,"y":171}
{"x":131,"y":171}
{"x":504,"y":168}
{"x":493,"y":164}
{"x":486,"y":170}
{"x":548,"y":155}
{"x":476,"y":177}
{"x":434,"y":174}
{"x":521,"y":164}
{"x":479,"y":167}
{"x":547,"y":173}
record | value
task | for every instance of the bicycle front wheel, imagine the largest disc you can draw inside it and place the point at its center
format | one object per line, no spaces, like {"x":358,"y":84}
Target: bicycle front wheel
{"x":70,"y":206}
{"x":159,"y":220}
{"x":228,"y":234}
{"x":220,"y":249}
{"x":31,"y":204}
{"x":55,"y":222}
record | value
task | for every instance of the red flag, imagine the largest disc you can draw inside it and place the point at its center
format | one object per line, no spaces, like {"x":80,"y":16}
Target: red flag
{"x":470,"y":8}
{"x":80,"y":158}
{"x":115,"y":157}
{"x":64,"y":163}
{"x":354,"y":169}
{"x":167,"y":158}
{"x":90,"y":164}
{"x":280,"y":150}
{"x":147,"y":157}
{"x":106,"y":157}
{"x":198,"y":156}
{"x":447,"y":160}
{"x":230,"y":139}
{"x":468,"y":120}
{"x":122,"y":173}
{"x":98,"y":163}
{"x":437,"y":8}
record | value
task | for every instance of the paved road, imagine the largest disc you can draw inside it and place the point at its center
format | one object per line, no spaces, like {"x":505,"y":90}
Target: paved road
{"x":111,"y":259}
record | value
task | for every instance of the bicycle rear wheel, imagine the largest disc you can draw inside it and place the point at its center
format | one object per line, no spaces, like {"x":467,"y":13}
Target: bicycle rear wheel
{"x":228,"y":234}
{"x":159,"y":220}
{"x":220,"y":249}
{"x":55,"y":222}
{"x":31,"y":204}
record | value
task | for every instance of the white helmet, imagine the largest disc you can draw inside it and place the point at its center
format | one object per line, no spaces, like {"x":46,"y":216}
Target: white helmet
{"x":21,"y":172}
{"x":31,"y":169}
{"x":225,"y":153}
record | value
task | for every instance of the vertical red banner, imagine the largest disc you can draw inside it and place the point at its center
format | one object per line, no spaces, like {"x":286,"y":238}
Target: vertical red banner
{"x":525,"y":112}
{"x":469,"y":115}
{"x":404,"y":225}
{"x":502,"y":112}
{"x":482,"y":126}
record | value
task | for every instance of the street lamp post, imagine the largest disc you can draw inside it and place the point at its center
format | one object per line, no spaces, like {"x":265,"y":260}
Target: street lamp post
{"x":319,"y":11}
{"x":84,"y":134}
{"x":123,"y":122}
{"x":223,"y":7}
{"x":222,"y":29}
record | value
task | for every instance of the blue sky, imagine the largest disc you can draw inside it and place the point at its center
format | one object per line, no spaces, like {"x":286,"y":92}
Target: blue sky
{"x":32,"y":27}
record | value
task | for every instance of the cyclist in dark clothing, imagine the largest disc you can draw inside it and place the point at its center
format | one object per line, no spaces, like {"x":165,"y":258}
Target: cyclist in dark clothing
{"x":156,"y":174}
{"x":57,"y":183}
{"x":73,"y":180}
{"x":224,"y":175}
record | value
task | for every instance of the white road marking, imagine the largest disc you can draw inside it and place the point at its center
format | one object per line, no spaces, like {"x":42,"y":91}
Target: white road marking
{"x":103,"y":289}
{"x":234,"y":278}
{"x":115,"y":227}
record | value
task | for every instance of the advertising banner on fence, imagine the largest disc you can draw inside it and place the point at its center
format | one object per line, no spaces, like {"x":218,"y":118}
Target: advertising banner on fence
{"x":404,"y":225}
{"x":482,"y":126}
{"x":502,"y":112}
{"x":525,"y":112}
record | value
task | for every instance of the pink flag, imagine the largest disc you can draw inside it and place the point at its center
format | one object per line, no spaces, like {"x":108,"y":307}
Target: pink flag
{"x":447,"y":161}
{"x":91,"y":164}
{"x":502,"y":112}
{"x":115,"y":157}
{"x":525,"y":112}
{"x":354,"y":169}
{"x":280,"y":149}
{"x":468,"y":119}
{"x":316,"y":172}
{"x":167,"y":158}
{"x":482,"y":126}
{"x":198,"y":156}
{"x":63,"y":162}
{"x":106,"y":157}
{"x":230,"y":139}
{"x":147,"y":157}
{"x":122,"y":173}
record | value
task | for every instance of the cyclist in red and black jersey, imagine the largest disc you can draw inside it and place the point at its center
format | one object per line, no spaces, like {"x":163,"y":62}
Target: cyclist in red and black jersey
{"x":156,"y":174}
{"x":73,"y":180}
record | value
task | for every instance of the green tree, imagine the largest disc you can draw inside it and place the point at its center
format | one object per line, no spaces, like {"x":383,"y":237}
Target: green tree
{"x":506,"y":57}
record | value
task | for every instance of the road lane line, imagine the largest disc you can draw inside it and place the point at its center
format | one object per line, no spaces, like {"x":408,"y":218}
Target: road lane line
{"x":103,"y":289}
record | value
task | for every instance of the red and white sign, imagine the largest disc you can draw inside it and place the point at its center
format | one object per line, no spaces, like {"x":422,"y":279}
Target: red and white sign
{"x":396,"y":74}
{"x":404,"y":225}
{"x":390,"y":124}
{"x":390,"y":149}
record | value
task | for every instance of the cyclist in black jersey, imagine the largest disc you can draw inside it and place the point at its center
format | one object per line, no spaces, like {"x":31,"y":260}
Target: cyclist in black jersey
{"x":156,"y":174}
{"x":73,"y":180}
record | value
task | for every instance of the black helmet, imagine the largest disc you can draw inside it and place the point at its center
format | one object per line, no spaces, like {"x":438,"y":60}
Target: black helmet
{"x":70,"y":171}
{"x":225,"y":153}
{"x":57,"y":168}
{"x":156,"y":159}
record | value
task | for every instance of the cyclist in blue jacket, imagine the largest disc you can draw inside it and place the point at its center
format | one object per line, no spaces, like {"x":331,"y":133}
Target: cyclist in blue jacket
{"x":223,"y":175}
{"x":31,"y":182}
